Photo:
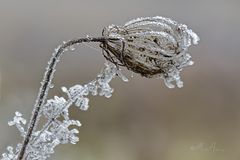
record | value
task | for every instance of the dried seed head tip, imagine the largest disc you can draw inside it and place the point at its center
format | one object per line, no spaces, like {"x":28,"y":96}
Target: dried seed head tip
{"x":152,"y":47}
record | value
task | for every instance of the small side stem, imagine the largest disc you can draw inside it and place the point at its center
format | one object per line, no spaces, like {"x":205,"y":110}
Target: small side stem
{"x":45,"y":85}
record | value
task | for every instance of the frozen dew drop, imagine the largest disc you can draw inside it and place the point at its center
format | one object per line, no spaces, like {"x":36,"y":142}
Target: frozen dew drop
{"x":5,"y":156}
{"x":108,"y":95}
{"x":168,"y":84}
{"x":88,"y":37}
{"x":64,"y":89}
{"x":132,"y":74}
{"x":190,"y":63}
{"x":51,"y":86}
{"x":124,"y":78}
{"x":11,"y":123}
{"x":72,"y":48}
{"x":18,"y":114}
{"x":179,"y":83}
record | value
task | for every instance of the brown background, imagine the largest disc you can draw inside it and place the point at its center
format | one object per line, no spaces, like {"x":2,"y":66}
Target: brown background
{"x":143,"y":120}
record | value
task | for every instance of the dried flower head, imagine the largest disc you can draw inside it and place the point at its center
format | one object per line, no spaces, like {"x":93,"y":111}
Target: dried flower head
{"x":152,"y":47}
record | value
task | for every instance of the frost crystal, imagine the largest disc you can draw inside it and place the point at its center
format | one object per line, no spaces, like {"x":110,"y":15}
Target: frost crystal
{"x":151,"y":46}
{"x":11,"y":153}
{"x":56,"y":131}
{"x":18,"y":121}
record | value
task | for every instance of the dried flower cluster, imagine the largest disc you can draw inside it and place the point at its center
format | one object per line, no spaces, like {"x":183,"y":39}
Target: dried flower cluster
{"x":152,"y":46}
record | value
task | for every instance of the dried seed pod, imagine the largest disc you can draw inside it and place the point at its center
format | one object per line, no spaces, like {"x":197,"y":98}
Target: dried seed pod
{"x":151,"y":46}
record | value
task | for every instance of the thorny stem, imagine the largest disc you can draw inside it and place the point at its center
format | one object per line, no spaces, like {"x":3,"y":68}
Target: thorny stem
{"x":46,"y":82}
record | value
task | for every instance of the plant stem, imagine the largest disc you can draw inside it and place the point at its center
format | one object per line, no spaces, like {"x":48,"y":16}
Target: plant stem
{"x":46,"y":82}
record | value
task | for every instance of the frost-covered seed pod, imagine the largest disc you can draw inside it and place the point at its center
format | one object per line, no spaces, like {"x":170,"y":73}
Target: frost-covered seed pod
{"x":151,"y":46}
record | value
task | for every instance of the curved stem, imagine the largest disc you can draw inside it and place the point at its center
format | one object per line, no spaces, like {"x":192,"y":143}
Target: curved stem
{"x":45,"y":85}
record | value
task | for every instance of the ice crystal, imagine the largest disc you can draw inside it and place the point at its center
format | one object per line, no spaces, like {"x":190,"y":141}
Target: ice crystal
{"x":152,"y":46}
{"x":56,"y":131}
{"x":11,"y":153}
{"x":18,"y":121}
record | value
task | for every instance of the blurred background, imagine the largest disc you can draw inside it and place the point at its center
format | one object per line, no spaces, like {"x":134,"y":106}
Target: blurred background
{"x":143,"y":120}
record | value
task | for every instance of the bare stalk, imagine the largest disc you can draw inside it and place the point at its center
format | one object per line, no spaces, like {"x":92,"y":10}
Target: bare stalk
{"x":46,"y":83}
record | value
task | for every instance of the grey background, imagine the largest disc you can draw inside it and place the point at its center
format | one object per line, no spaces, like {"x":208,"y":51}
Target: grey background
{"x":143,"y":120}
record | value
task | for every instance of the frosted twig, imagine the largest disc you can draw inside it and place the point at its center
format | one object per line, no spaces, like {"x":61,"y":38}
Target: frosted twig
{"x":151,"y":46}
{"x":46,"y":82}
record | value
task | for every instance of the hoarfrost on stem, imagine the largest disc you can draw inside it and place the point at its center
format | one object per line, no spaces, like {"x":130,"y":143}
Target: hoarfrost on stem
{"x":56,"y":131}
